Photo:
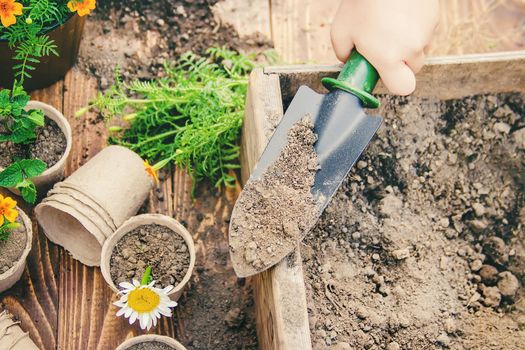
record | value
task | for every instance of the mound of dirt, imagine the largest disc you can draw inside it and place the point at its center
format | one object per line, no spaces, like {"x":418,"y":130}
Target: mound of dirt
{"x":140,"y":35}
{"x":422,"y":247}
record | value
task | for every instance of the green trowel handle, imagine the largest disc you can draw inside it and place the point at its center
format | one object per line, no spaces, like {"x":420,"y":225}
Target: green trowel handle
{"x":357,"y":77}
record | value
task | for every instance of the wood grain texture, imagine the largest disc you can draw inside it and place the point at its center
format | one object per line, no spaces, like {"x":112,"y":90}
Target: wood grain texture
{"x":248,"y":17}
{"x":301,"y":28}
{"x":280,"y":298}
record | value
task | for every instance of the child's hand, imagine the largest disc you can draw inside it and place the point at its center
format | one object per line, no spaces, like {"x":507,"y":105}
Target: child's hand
{"x":392,"y":34}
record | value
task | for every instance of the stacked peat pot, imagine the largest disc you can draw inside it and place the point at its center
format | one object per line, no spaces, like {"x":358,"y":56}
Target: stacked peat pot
{"x":81,"y":212}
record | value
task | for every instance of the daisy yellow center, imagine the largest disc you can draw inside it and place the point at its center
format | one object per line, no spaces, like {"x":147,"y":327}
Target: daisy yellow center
{"x":143,"y":300}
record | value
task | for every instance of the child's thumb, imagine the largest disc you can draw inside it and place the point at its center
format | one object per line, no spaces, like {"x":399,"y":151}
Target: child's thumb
{"x":398,"y":78}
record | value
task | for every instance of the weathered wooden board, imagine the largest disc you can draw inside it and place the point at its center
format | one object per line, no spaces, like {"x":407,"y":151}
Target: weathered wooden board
{"x":280,"y":296}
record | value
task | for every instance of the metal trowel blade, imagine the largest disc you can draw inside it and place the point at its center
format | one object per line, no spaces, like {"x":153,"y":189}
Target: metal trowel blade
{"x":343,"y":129}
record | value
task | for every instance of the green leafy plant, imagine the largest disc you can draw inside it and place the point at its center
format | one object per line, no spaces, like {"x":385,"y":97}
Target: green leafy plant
{"x":18,"y":125}
{"x":191,"y":117}
{"x":27,"y":34}
{"x":19,"y":174}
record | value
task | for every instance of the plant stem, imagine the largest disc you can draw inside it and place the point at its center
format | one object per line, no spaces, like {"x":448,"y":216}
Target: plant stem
{"x":146,"y":278}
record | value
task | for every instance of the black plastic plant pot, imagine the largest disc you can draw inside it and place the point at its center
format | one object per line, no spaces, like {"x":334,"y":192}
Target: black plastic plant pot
{"x":51,"y":68}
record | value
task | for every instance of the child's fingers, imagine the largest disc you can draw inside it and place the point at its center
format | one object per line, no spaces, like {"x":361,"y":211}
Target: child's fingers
{"x":416,"y":62}
{"x":342,"y":43}
{"x":398,"y":78}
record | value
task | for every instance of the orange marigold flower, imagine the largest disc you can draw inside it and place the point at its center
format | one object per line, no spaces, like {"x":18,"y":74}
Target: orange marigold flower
{"x":7,"y":209}
{"x":151,"y":171}
{"x":82,"y":7}
{"x":8,"y":10}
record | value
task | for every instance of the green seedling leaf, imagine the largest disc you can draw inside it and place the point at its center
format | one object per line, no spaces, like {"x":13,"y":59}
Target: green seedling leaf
{"x":37,"y":117}
{"x":11,"y":176}
{"x":28,"y":191}
{"x":32,"y":167}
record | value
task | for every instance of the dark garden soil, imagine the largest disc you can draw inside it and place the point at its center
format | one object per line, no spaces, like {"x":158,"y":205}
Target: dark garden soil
{"x":423,"y":246}
{"x":273,"y":211}
{"x":150,"y":245}
{"x":152,"y":345}
{"x":140,"y":35}
{"x":49,"y":146}
{"x":12,"y":249}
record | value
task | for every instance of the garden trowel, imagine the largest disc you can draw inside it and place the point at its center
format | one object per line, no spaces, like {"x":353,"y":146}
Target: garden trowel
{"x":343,"y":129}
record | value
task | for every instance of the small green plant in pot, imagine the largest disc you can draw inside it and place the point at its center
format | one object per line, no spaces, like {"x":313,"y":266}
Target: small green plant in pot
{"x":31,"y":31}
{"x":18,"y":127}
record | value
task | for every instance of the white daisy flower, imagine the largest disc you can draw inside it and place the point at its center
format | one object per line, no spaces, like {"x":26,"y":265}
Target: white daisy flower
{"x":144,"y":302}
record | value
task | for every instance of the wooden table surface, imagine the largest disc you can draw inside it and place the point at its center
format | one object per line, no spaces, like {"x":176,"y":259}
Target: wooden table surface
{"x":66,"y":305}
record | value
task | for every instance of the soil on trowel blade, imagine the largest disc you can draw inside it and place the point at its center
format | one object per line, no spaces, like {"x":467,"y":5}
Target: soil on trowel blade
{"x":422,"y":247}
{"x":275,"y":211}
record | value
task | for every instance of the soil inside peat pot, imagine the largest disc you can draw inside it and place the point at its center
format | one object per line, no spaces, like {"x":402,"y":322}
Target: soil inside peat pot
{"x":12,"y":249}
{"x":150,"y":245}
{"x":422,"y":247}
{"x":49,"y":146}
{"x":274,"y":211}
{"x":150,"y":345}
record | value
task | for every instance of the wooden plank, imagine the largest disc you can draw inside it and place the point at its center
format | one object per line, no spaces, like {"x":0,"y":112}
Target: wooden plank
{"x":248,"y":17}
{"x":301,"y":28}
{"x":455,"y":72}
{"x":280,"y":298}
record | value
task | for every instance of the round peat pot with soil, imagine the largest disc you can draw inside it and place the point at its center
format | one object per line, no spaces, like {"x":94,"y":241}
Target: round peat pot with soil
{"x":53,"y":146}
{"x":154,"y":240}
{"x":151,"y":342}
{"x":85,"y":209}
{"x":51,"y":68}
{"x":14,"y":251}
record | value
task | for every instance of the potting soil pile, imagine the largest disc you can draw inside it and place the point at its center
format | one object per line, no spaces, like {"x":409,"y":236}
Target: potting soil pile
{"x":423,"y":245}
{"x":150,"y":245}
{"x":273,"y":212}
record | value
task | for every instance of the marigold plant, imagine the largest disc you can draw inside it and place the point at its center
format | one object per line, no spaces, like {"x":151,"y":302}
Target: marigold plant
{"x":24,"y":24}
{"x":8,"y":216}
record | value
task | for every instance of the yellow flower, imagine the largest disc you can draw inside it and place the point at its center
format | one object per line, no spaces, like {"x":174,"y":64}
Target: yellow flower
{"x":7,"y":209}
{"x":150,"y":169}
{"x":82,"y":7}
{"x":8,"y":10}
{"x":144,"y":302}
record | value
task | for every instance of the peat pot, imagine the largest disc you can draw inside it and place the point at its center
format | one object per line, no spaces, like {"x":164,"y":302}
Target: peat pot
{"x":56,"y":172}
{"x":11,"y":276}
{"x":148,"y":219}
{"x":51,"y":68}
{"x":82,"y":211}
{"x":12,"y":337}
{"x":150,"y":338}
